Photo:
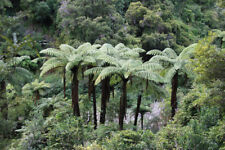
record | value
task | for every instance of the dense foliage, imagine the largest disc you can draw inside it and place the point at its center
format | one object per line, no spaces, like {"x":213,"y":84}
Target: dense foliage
{"x":112,"y":74}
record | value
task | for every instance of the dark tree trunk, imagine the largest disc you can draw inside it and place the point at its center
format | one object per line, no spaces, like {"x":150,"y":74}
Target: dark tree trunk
{"x":64,"y":82}
{"x":142,"y":121}
{"x":90,"y":86}
{"x":75,"y":96}
{"x":104,"y":98}
{"x":174,"y":95}
{"x":3,"y":100}
{"x":94,"y":105}
{"x":123,"y":103}
{"x":37,"y":95}
{"x":113,"y":92}
{"x":137,"y":110}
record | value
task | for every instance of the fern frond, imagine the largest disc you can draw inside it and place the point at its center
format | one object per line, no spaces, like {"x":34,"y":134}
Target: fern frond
{"x":109,"y":59}
{"x":150,"y":76}
{"x":169,"y":75}
{"x":155,"y":52}
{"x":95,"y":70}
{"x":169,"y":52}
{"x":120,"y":46}
{"x":50,"y":64}
{"x":67,"y":48}
{"x":107,"y":72}
{"x":17,"y":60}
{"x":151,"y":66}
{"x":138,"y":50}
{"x":187,"y":51}
{"x":52,"y":52}
{"x":159,"y":58}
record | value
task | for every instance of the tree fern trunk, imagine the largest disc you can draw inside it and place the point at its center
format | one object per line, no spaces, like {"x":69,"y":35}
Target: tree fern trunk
{"x":137,"y":110}
{"x":3,"y":100}
{"x":104,"y":99}
{"x":75,"y":96}
{"x":90,"y":86}
{"x":94,"y":105}
{"x":37,"y":95}
{"x":123,"y":101}
{"x":142,"y":121}
{"x":64,"y":82}
{"x":174,"y":95}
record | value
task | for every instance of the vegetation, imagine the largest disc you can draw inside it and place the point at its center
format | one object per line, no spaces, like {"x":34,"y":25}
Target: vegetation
{"x":116,"y":74}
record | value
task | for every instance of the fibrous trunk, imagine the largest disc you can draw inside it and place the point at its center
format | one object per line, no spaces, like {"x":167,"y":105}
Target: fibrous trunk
{"x":75,"y":96}
{"x":137,"y":110}
{"x":37,"y":95}
{"x":94,"y":105}
{"x":104,"y":98}
{"x":174,"y":95}
{"x":123,"y":103}
{"x":142,"y":121}
{"x":64,"y":82}
{"x":3,"y":100}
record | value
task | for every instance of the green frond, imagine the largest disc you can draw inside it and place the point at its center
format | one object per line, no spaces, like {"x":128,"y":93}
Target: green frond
{"x":120,"y":46}
{"x":107,"y":49}
{"x":96,"y":46}
{"x":138,"y":50}
{"x":129,"y":54}
{"x":149,"y":75}
{"x":169,"y":52}
{"x":84,"y":47}
{"x":67,"y":48}
{"x":17,"y":60}
{"x":72,"y":64}
{"x":50,"y":64}
{"x":158,"y":58}
{"x":109,"y":59}
{"x":187,"y":51}
{"x":52,"y":52}
{"x":155,"y":52}
{"x":169,"y":75}
{"x":151,"y":66}
{"x":95,"y":70}
{"x":107,"y":72}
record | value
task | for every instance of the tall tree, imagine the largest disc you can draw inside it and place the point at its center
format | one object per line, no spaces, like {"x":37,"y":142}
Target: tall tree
{"x":177,"y":63}
{"x":125,"y":67}
{"x":57,"y":62}
{"x":11,"y":72}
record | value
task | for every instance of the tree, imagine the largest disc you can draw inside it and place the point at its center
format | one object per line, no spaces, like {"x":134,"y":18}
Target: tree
{"x":125,"y":68}
{"x":177,"y":63}
{"x":57,"y":62}
{"x":10,"y":72}
{"x":74,"y":60}
{"x":36,"y":88}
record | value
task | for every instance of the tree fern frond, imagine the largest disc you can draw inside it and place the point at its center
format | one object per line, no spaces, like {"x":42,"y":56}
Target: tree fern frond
{"x":67,"y":48}
{"x":109,"y":59}
{"x":158,"y":58}
{"x":120,"y":46}
{"x":84,"y":47}
{"x":187,"y":51}
{"x":49,"y":65}
{"x":155,"y":52}
{"x":107,"y":72}
{"x":150,"y":76}
{"x":170,"y":53}
{"x":169,"y":75}
{"x":151,"y":66}
{"x":95,"y":70}
{"x":138,"y":50}
{"x":17,"y":60}
{"x":52,"y":52}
